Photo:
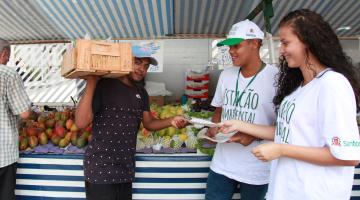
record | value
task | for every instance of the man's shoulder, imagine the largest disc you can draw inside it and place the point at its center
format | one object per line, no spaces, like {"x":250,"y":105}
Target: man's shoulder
{"x":230,"y":71}
{"x":7,"y":71}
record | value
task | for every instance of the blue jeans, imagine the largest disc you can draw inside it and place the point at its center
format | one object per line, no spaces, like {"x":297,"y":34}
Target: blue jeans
{"x":220,"y":187}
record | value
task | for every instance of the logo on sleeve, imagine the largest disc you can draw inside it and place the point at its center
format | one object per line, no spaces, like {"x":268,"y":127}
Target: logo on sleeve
{"x":336,"y":141}
{"x":138,"y":96}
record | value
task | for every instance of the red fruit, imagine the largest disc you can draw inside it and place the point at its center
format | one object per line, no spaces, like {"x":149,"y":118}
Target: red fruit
{"x":33,"y":141}
{"x":57,"y":116}
{"x":41,"y":118}
{"x":50,"y":123}
{"x":49,"y":132}
{"x":51,"y":115}
{"x":88,"y":129}
{"x":65,"y":115}
{"x":41,"y":125}
{"x":43,"y":138}
{"x":69,"y":124}
{"x":24,"y":142}
{"x":31,"y":131}
{"x":68,"y":136}
{"x":55,"y":139}
{"x":60,"y":123}
{"x":60,"y":131}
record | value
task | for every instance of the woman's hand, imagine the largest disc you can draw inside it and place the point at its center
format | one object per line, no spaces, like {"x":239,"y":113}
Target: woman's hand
{"x":268,"y":151}
{"x":230,"y":126}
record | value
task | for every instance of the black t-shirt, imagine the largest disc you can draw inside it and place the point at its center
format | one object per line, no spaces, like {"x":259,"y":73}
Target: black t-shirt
{"x":118,"y":111}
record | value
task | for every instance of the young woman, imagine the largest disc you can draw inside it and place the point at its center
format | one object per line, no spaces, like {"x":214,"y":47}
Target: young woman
{"x":316,"y":135}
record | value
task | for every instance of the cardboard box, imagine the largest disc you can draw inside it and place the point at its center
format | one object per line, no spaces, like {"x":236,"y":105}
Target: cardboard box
{"x":159,"y":100}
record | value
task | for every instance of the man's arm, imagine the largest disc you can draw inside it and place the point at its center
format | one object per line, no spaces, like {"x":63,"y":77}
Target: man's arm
{"x":216,"y":118}
{"x":314,"y":155}
{"x":84,"y":112}
{"x":18,"y":100}
{"x":25,"y":115}
{"x":153,"y":124}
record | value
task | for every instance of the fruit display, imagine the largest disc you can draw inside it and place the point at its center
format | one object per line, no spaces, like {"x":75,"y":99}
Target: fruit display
{"x":53,"y":132}
{"x":170,"y":140}
{"x":56,"y":132}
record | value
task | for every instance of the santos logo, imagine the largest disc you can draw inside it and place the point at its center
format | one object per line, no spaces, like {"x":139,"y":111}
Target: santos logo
{"x":351,"y":143}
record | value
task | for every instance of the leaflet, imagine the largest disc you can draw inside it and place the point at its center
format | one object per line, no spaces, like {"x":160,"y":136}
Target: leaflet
{"x":203,"y":122}
{"x":219,"y":138}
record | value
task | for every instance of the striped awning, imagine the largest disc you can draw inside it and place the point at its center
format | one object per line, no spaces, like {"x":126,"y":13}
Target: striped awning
{"x":32,"y":20}
{"x":70,"y":19}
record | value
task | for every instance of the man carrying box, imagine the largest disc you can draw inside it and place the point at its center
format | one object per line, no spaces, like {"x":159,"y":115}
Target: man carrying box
{"x":116,"y":107}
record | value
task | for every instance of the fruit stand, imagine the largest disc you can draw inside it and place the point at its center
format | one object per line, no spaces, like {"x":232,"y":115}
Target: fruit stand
{"x":170,"y":163}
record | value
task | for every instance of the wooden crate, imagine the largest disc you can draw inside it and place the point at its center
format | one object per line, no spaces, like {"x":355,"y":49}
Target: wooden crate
{"x":90,"y":57}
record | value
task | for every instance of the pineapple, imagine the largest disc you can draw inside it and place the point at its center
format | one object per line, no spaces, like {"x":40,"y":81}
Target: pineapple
{"x":191,"y":142}
{"x":140,"y":144}
{"x":148,"y":141}
{"x":165,"y":141}
{"x":176,"y":142}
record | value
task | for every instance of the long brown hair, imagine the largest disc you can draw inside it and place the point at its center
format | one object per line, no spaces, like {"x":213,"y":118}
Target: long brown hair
{"x":323,"y":43}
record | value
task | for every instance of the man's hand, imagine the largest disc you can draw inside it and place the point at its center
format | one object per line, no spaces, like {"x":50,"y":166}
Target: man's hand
{"x":242,"y":138}
{"x":211,"y":132}
{"x":179,"y":122}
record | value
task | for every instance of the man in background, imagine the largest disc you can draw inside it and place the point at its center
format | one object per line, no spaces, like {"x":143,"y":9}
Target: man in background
{"x":14,"y":104}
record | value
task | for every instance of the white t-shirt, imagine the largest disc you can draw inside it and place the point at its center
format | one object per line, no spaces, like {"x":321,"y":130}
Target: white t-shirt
{"x":255,"y":106}
{"x":321,"y":113}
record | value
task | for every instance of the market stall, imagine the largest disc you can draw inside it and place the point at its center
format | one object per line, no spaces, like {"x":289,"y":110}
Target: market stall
{"x":176,"y":170}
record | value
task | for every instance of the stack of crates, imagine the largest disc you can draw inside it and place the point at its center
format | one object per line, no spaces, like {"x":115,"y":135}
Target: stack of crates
{"x":197,"y":85}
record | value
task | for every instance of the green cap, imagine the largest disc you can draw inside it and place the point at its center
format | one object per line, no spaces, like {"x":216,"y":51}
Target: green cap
{"x":230,"y":42}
